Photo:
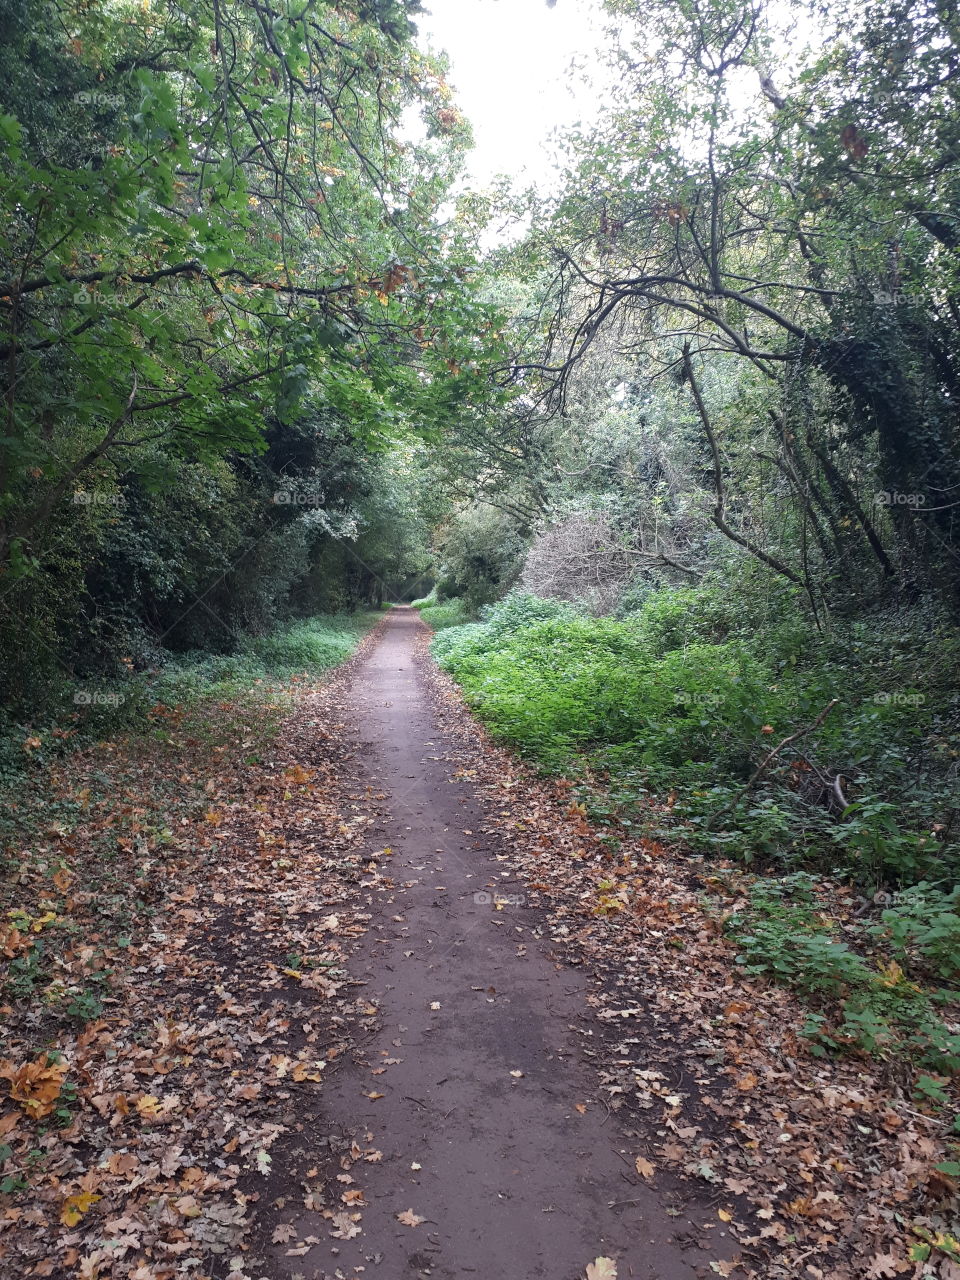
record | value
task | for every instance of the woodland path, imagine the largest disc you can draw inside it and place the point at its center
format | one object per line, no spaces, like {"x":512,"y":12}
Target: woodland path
{"x":482,"y":1035}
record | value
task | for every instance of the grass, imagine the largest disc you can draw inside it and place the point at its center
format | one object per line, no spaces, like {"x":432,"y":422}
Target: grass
{"x":440,"y":615}
{"x":89,"y":711}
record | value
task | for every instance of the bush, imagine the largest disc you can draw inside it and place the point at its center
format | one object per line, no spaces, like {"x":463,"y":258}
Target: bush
{"x":553,"y":682}
{"x":438,"y":616}
{"x":687,"y":694}
{"x":923,"y":930}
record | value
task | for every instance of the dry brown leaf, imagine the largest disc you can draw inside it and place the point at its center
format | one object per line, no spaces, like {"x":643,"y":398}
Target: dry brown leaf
{"x":602,"y":1269}
{"x":344,"y":1227}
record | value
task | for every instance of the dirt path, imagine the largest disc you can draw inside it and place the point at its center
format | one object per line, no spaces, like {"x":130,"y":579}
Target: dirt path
{"x":470,"y":1084}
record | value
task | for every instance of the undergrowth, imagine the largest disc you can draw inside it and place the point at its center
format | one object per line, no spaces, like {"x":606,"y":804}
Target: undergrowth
{"x":873,"y":991}
{"x":86,"y":711}
{"x":442,"y":614}
{"x":672,"y":722}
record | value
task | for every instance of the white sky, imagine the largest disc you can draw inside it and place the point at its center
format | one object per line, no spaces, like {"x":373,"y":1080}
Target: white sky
{"x":510,"y":71}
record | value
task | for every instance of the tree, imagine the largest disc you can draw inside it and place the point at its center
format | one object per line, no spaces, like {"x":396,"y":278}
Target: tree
{"x":800,"y":231}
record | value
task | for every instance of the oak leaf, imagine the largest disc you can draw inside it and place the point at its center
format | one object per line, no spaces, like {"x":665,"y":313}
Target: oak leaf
{"x":602,"y":1269}
{"x":409,"y":1218}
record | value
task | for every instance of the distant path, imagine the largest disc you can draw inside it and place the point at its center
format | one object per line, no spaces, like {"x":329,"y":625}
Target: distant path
{"x":513,"y":1182}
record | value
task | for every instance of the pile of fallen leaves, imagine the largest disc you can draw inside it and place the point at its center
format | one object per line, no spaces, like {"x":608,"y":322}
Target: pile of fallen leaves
{"x":197,"y":885}
{"x":825,"y":1168}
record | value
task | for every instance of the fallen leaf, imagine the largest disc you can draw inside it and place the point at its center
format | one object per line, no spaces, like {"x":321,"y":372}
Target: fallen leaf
{"x":602,"y":1269}
{"x":35,"y":1085}
{"x":344,"y":1228}
{"x":74,"y":1207}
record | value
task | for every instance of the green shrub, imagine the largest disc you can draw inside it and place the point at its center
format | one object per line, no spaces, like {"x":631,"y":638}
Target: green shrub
{"x":553,"y":682}
{"x":857,"y":1006}
{"x":438,"y":616}
{"x":687,"y":694}
{"x":923,"y":930}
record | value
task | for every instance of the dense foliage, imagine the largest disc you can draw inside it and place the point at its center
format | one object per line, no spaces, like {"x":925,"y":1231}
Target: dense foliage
{"x":233,"y":284}
{"x":685,"y":698}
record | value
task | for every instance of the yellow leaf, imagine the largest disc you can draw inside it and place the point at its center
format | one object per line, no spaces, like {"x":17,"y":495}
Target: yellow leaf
{"x":644,"y":1167}
{"x":302,"y":1071}
{"x":297,"y":773}
{"x":35,"y":1085}
{"x":74,"y":1207}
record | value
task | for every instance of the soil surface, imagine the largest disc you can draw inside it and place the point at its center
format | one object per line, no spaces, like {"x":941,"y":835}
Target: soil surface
{"x":470,"y":1096}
